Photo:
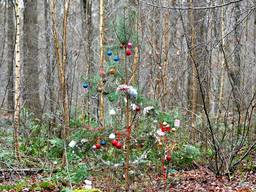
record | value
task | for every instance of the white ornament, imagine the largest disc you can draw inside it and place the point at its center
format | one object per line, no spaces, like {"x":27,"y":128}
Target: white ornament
{"x":112,"y":136}
{"x":88,"y":187}
{"x":84,"y":140}
{"x":87,"y":182}
{"x":133,"y":106}
{"x":72,"y":144}
{"x":132,"y":92}
{"x":147,"y":109}
{"x":176,"y":123}
{"x":112,"y":112}
{"x":160,"y":133}
{"x":122,"y":88}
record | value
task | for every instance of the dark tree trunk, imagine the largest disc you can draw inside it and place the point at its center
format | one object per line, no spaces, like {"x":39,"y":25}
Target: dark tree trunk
{"x":31,"y":63}
{"x":10,"y":57}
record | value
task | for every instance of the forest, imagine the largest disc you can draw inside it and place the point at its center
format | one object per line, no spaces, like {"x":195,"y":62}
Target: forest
{"x":128,"y":95}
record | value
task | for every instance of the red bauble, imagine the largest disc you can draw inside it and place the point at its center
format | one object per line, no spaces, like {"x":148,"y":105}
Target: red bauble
{"x":119,"y":145}
{"x":101,"y":72}
{"x":114,"y":142}
{"x":165,"y":127}
{"x":168,"y":158}
{"x":97,"y":146}
{"x":137,"y":109}
{"x":128,"y":52}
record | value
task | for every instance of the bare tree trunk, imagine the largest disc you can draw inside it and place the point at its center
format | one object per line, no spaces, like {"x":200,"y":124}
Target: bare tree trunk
{"x":192,"y":86}
{"x":31,"y":63}
{"x":201,"y":55}
{"x":61,"y":55}
{"x":88,"y":37}
{"x":17,"y":90}
{"x":101,"y":99}
{"x":10,"y":48}
{"x":222,"y":71}
{"x":50,"y":63}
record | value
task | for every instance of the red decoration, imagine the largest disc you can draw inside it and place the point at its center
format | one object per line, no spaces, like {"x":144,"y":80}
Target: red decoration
{"x":165,"y":128}
{"x":129,"y":45}
{"x":114,"y":142}
{"x":119,"y":145}
{"x":97,"y":146}
{"x":168,"y":158}
{"x":101,"y":72}
{"x":137,"y":109}
{"x":128,"y":52}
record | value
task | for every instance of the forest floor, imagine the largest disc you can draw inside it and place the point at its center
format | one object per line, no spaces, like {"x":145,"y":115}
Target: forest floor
{"x":196,"y":180}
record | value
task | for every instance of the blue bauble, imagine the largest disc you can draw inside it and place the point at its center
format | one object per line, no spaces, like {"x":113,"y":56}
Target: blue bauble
{"x":85,"y":85}
{"x":102,"y":142}
{"x":109,"y":53}
{"x":116,"y":58}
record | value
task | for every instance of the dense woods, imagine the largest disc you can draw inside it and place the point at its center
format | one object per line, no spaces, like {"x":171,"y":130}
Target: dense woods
{"x":127,"y":95}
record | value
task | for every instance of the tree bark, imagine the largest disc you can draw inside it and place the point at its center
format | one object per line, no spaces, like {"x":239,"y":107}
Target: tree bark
{"x":10,"y":58}
{"x":50,"y":63}
{"x":31,"y":63}
{"x":101,"y":27}
{"x":17,"y":94}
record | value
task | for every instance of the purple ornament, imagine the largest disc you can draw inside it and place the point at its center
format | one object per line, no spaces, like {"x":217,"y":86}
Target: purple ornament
{"x":129,"y":45}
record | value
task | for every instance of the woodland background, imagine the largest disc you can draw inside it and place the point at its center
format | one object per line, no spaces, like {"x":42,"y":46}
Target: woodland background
{"x":192,"y":60}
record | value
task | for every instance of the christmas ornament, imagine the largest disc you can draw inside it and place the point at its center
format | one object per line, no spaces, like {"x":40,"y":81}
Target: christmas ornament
{"x":72,"y":144}
{"x":119,"y":145}
{"x":165,"y":127}
{"x":112,"y":136}
{"x":112,"y":112}
{"x":85,"y":85}
{"x":102,"y":142}
{"x":88,"y":184}
{"x":109,"y":53}
{"x":132,"y":92}
{"x":168,"y":158}
{"x":101,"y":72}
{"x":122,"y":88}
{"x":97,"y":146}
{"x":129,"y":45}
{"x":128,"y":52}
{"x":146,"y":110}
{"x":176,"y":123}
{"x":160,"y":133}
{"x":116,"y":58}
{"x":94,"y":146}
{"x":112,"y":71}
{"x":137,"y":109}
{"x":99,"y":89}
{"x":114,"y":142}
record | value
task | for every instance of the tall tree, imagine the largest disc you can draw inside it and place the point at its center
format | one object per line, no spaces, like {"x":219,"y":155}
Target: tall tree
{"x":199,"y":55}
{"x":101,"y":98}
{"x":50,"y":63}
{"x":31,"y":62}
{"x":10,"y":57}
{"x":88,"y":37}
{"x":61,"y":53}
{"x":17,"y":94}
